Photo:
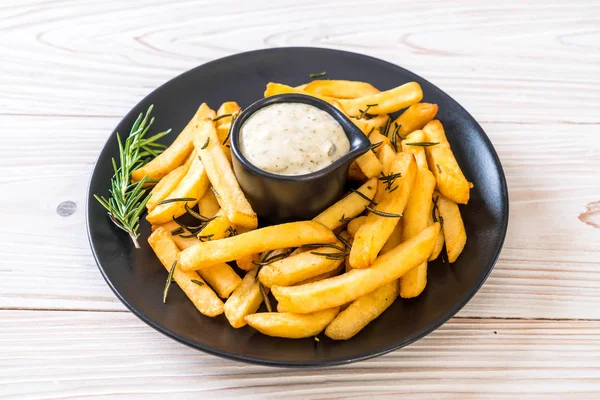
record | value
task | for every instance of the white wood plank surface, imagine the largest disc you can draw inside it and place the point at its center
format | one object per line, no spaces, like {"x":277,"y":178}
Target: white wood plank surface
{"x":529,"y":72}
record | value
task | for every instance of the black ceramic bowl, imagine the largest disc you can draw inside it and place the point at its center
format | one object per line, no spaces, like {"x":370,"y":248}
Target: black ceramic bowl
{"x":281,"y":198}
{"x":138,"y":278}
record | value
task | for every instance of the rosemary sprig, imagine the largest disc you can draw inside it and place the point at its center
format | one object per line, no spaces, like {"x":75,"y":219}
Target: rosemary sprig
{"x":371,"y":131}
{"x":318,"y":246}
{"x":364,"y":196}
{"x":169,"y":280}
{"x":386,"y":129}
{"x":198,"y":216}
{"x":389,"y":180}
{"x":331,"y":256}
{"x":374,"y":146}
{"x":167,"y":201}
{"x":197,"y":282}
{"x":395,"y":136}
{"x":268,"y":259}
{"x":221,"y":117}
{"x":365,"y":113}
{"x":343,"y":240}
{"x":205,"y":145}
{"x":127,"y":201}
{"x":344,"y":219}
{"x":423,"y":144}
{"x":383,"y":214}
{"x":233,"y":118}
{"x":317,"y":74}
{"x":177,"y":231}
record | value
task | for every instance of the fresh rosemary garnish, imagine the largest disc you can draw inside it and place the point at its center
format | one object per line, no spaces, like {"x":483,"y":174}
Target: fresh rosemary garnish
{"x":203,"y":238}
{"x":423,"y":144}
{"x":205,"y":145}
{"x":128,"y":200}
{"x":383,"y":214}
{"x":318,"y":246}
{"x":221,"y":117}
{"x":374,"y":146}
{"x":395,"y":136}
{"x":317,"y":74}
{"x":230,"y":231}
{"x":386,"y":129}
{"x":214,"y":191}
{"x":191,"y":235}
{"x":365,"y":113}
{"x":344,"y":219}
{"x":371,"y":131}
{"x":389,"y":180}
{"x":433,"y":210}
{"x":268,"y":259}
{"x":177,"y":231}
{"x":438,"y":168}
{"x":343,"y":240}
{"x":265,"y":296}
{"x":167,"y":201}
{"x":197,"y":215}
{"x":331,"y":256}
{"x":197,"y":282}
{"x":233,"y":118}
{"x":169,"y":280}
{"x":364,"y":196}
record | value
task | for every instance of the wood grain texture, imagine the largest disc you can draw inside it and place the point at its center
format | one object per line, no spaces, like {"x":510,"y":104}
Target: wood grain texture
{"x":527,"y":71}
{"x":84,"y":354}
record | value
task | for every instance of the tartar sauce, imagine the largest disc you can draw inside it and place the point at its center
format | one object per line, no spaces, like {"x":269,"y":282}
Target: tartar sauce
{"x":292,"y":139}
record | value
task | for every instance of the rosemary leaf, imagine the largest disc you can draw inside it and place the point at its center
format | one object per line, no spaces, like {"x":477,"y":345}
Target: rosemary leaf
{"x":265,"y":296}
{"x":343,"y":240}
{"x":383,"y":214}
{"x":169,"y":280}
{"x":205,"y":145}
{"x":364,"y":196}
{"x":177,"y":231}
{"x":344,"y":219}
{"x":374,"y":146}
{"x":197,"y":282}
{"x":317,"y":74}
{"x":167,"y":201}
{"x":221,"y":117}
{"x":423,"y":144}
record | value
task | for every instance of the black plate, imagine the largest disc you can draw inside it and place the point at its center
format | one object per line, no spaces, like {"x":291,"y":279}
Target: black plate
{"x":138,"y":279}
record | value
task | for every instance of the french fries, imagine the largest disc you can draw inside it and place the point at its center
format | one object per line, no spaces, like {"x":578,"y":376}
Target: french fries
{"x":415,"y":219}
{"x":246,"y":263}
{"x":384,"y":102}
{"x":192,"y":186}
{"x":369,"y":164}
{"x":290,"y":325}
{"x":340,"y":89}
{"x":221,"y":277}
{"x":293,"y":234}
{"x":348,"y":207}
{"x":451,"y":181}
{"x":333,"y":272}
{"x":176,"y":154}
{"x":208,"y":204}
{"x":379,"y":225}
{"x":386,"y":157}
{"x":244,"y":300}
{"x":417,"y":151}
{"x":299,"y":267}
{"x":361,"y":312}
{"x":455,"y":235}
{"x":415,"y":117}
{"x":334,"y":292}
{"x":217,"y":228}
{"x":355,"y":174}
{"x":371,"y":125}
{"x":395,"y":238}
{"x":205,"y":300}
{"x":219,"y":172}
{"x":376,"y":138}
{"x":355,"y":224}
{"x":166,"y":185}
{"x":223,"y":124}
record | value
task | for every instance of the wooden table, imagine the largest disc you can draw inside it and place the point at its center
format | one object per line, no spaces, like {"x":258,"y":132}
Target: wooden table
{"x":529,"y":73}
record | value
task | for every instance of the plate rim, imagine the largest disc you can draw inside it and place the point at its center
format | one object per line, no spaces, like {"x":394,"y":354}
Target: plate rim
{"x":445,"y":317}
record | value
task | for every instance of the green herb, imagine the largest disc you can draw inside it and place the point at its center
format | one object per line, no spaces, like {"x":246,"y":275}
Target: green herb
{"x":395,"y":136}
{"x":203,"y":238}
{"x":128,"y":200}
{"x":167,"y":201}
{"x":433,"y":210}
{"x":318,"y":246}
{"x":344,"y":219}
{"x":330,"y":256}
{"x":265,"y":296}
{"x":386,"y":129}
{"x":177,"y":231}
{"x":197,"y":215}
{"x":383,"y":214}
{"x":169,"y":280}
{"x":197,"y":282}
{"x":389,"y":180}
{"x":423,"y":144}
{"x":365,"y":113}
{"x":205,"y":145}
{"x":364,"y":196}
{"x":221,"y":117}
{"x":343,"y":240}
{"x":317,"y":74}
{"x":233,"y":118}
{"x":374,"y":146}
{"x":438,"y":168}
{"x":230,"y":231}
{"x":268,"y":259}
{"x":371,"y":131}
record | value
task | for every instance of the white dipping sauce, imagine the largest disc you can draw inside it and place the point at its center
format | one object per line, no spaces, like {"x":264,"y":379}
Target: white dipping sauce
{"x":292,"y":139}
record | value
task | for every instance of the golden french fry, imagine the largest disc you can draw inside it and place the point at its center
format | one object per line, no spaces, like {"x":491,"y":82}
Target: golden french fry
{"x":221,"y":176}
{"x":205,"y":300}
{"x":417,"y":151}
{"x":290,"y":325}
{"x":340,"y":89}
{"x":386,"y":157}
{"x":193,"y":186}
{"x":384,"y":102}
{"x":333,"y":272}
{"x":299,"y":267}
{"x":218,"y":228}
{"x":439,"y":244}
{"x":355,"y":174}
{"x":355,"y":224}
{"x":455,"y":235}
{"x":221,"y":277}
{"x":208,"y":204}
{"x":223,"y":124}
{"x":273,"y":89}
{"x":451,"y":181}
{"x":302,"y":87}
{"x":166,"y":185}
{"x":244,"y":300}
{"x":348,"y":207}
{"x":379,"y":225}
{"x":334,"y":292}
{"x":371,"y":125}
{"x":376,"y":138}
{"x":415,"y":117}
{"x":369,"y":164}
{"x":395,"y":238}
{"x":415,"y":219}
{"x":293,"y":234}
{"x":176,"y":154}
{"x":361,"y":312}
{"x":246,"y":263}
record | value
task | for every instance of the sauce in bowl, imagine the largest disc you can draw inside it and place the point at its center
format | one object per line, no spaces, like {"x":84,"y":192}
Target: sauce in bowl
{"x":292,"y":139}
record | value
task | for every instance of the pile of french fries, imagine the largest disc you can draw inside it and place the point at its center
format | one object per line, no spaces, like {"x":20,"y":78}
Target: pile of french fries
{"x":337,"y":272}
